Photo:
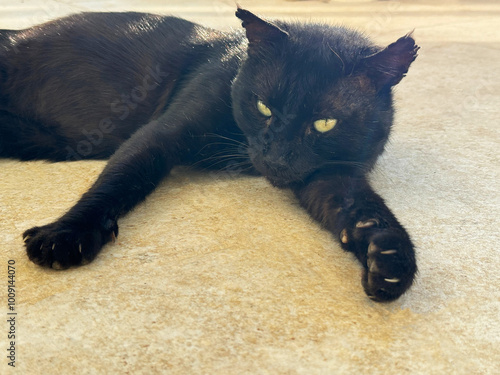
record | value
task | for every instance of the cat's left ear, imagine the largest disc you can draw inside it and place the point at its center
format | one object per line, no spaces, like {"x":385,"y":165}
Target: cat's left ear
{"x":388,"y":66}
{"x":259,"y":32}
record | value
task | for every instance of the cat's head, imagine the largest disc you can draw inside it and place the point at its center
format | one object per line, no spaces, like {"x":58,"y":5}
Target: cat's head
{"x":313,"y":98}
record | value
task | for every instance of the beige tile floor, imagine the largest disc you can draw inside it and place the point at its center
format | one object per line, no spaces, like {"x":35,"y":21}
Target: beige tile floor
{"x":230,"y":276}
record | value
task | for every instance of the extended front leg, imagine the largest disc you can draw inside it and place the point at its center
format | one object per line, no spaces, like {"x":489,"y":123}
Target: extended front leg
{"x":132,"y":173}
{"x":362,"y":223}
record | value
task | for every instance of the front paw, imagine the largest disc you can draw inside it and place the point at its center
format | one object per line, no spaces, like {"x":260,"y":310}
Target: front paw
{"x":390,"y":265}
{"x":60,"y":245}
{"x":387,"y":255}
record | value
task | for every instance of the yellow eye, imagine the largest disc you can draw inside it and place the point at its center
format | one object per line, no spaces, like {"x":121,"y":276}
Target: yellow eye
{"x":325,"y":125}
{"x":264,"y":109}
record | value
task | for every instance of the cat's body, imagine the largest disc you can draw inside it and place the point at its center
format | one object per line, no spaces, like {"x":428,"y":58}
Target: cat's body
{"x":307,"y":106}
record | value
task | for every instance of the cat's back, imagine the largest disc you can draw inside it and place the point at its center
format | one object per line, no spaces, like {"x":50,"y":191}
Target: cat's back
{"x":60,"y":69}
{"x":117,"y":26}
{"x":97,"y":37}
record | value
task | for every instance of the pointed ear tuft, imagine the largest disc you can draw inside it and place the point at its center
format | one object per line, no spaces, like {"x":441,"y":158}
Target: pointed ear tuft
{"x":388,"y":66}
{"x":259,"y":31}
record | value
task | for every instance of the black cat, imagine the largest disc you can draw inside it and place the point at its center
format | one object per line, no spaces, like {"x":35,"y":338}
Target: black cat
{"x":307,"y":106}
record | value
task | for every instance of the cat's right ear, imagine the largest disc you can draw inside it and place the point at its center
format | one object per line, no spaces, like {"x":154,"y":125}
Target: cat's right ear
{"x":388,"y":66}
{"x":259,"y":32}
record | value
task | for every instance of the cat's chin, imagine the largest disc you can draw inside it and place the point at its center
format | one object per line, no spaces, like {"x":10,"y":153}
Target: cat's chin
{"x":282,"y":183}
{"x":278,"y":176}
{"x":279,"y":183}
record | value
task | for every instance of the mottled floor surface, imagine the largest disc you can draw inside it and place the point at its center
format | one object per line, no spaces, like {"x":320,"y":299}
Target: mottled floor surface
{"x":215,"y":275}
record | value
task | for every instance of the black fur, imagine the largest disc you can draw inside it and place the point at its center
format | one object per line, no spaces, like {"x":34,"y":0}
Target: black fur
{"x":154,"y":92}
